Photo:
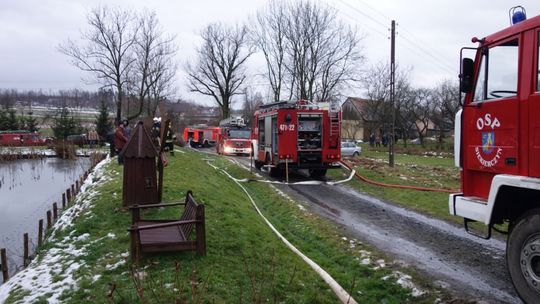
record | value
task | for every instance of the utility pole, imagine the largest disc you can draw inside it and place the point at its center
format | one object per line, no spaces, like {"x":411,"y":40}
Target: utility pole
{"x":392,"y":93}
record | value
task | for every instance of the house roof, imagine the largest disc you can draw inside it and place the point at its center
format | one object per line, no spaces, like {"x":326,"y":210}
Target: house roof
{"x":140,"y":144}
{"x":358,"y":103}
{"x":360,"y":106}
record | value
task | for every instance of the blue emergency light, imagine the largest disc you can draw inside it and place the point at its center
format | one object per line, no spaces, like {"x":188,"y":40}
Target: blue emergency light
{"x":517,"y":14}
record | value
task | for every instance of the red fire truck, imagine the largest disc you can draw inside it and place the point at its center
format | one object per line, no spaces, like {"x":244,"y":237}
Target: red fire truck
{"x":201,"y":136}
{"x":234,"y":137}
{"x":497,"y":145}
{"x":20,"y":138}
{"x":296,"y":135}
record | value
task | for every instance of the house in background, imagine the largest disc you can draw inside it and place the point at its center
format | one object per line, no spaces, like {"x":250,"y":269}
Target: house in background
{"x":356,"y":123}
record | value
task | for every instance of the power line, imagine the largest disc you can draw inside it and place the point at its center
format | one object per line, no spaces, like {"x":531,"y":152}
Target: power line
{"x":364,"y":25}
{"x":414,"y":47}
{"x":364,"y":14}
{"x":423,"y":46}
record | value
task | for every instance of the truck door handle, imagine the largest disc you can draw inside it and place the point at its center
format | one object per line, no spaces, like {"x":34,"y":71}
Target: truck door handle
{"x":510,"y":161}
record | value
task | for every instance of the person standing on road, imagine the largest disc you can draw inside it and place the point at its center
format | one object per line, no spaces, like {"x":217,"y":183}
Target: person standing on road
{"x":120,"y":141}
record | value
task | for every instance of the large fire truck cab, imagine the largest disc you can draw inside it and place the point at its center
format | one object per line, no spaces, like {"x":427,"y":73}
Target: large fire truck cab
{"x":497,"y":146}
{"x":234,"y":137}
{"x":296,"y":135}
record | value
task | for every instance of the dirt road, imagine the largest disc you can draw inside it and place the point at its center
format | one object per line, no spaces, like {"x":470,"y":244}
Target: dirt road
{"x":470,"y":268}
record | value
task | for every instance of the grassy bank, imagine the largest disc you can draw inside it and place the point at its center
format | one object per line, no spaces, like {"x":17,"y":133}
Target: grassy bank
{"x":87,"y":260}
{"x":423,"y":169}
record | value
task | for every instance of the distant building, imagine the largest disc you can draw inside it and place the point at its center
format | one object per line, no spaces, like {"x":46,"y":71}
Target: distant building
{"x":357,"y":123}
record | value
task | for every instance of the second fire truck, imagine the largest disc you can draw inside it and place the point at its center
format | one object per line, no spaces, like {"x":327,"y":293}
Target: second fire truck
{"x":296,"y":135}
{"x":234,"y":137}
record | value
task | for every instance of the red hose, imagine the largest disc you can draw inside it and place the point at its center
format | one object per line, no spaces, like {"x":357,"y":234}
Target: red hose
{"x":364,"y":179}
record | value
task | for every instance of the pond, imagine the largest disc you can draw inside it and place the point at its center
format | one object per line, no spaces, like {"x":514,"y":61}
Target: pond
{"x":28,"y":188}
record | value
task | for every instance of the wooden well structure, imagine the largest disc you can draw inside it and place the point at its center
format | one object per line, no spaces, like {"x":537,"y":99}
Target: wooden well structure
{"x":140,"y":184}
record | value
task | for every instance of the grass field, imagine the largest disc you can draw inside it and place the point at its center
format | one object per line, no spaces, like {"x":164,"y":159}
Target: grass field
{"x":423,"y":169}
{"x":245,"y":261}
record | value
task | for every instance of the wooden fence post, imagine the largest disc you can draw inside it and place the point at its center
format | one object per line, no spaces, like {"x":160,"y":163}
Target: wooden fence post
{"x":49,"y":221}
{"x":73,"y":190}
{"x":77,"y":187}
{"x":3,"y":263}
{"x":25,"y":252}
{"x":68,"y":194}
{"x":40,"y":233}
{"x":55,"y":211}
{"x":63,"y":201}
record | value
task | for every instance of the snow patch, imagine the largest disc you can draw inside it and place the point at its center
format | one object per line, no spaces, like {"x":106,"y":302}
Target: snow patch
{"x":380,"y":264}
{"x":116,"y":265}
{"x":405,"y":281}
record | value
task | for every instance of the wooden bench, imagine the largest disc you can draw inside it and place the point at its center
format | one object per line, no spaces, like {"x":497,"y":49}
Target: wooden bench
{"x":168,"y":235}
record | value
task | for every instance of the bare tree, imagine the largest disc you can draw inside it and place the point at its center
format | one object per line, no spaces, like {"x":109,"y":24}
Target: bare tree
{"x":268,"y":35}
{"x":306,"y":47}
{"x":219,"y":71}
{"x":376,"y":83}
{"x":252,"y":101}
{"x":154,"y":69}
{"x":422,"y":108}
{"x":447,"y":98}
{"x":106,"y":49}
{"x":446,"y":104}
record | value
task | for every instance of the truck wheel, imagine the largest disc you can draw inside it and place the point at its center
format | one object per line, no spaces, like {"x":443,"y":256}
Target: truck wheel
{"x":258,"y":164}
{"x":316,"y":173}
{"x":356,"y":154}
{"x":523,"y":257}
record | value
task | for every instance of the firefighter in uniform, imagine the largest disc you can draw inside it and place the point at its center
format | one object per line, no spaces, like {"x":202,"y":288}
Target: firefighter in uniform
{"x":169,"y":141}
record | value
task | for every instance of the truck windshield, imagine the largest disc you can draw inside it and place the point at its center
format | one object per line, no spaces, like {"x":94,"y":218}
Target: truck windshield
{"x":497,"y":75}
{"x":239,"y":134}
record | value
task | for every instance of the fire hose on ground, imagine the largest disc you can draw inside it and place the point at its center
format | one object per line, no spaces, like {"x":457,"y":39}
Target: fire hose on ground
{"x":366,"y":180}
{"x":339,"y":291}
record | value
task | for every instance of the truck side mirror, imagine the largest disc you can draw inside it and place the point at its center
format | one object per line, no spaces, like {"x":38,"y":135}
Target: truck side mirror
{"x":466,"y":76}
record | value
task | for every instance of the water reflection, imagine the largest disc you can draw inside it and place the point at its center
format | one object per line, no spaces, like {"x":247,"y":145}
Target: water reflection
{"x":28,"y":188}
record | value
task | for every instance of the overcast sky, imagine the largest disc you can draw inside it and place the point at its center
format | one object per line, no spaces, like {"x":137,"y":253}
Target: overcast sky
{"x":430,"y":34}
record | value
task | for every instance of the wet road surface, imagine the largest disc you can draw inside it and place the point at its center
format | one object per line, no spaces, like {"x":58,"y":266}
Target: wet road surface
{"x":469,"y":267}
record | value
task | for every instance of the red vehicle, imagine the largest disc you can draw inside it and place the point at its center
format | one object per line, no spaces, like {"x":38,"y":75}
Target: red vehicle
{"x":201,"y":136}
{"x":497,"y":145}
{"x":297,"y":135}
{"x":234,"y":137}
{"x":20,"y":138}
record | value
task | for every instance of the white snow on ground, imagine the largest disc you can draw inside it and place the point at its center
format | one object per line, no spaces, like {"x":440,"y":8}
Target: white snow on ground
{"x":55,"y":271}
{"x":380,"y":264}
{"x":405,"y":281}
{"x":26,"y":151}
{"x":115,"y":265}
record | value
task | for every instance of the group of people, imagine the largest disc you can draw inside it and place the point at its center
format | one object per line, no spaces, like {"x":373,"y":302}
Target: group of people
{"x":376,"y":140}
{"x":122,"y":132}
